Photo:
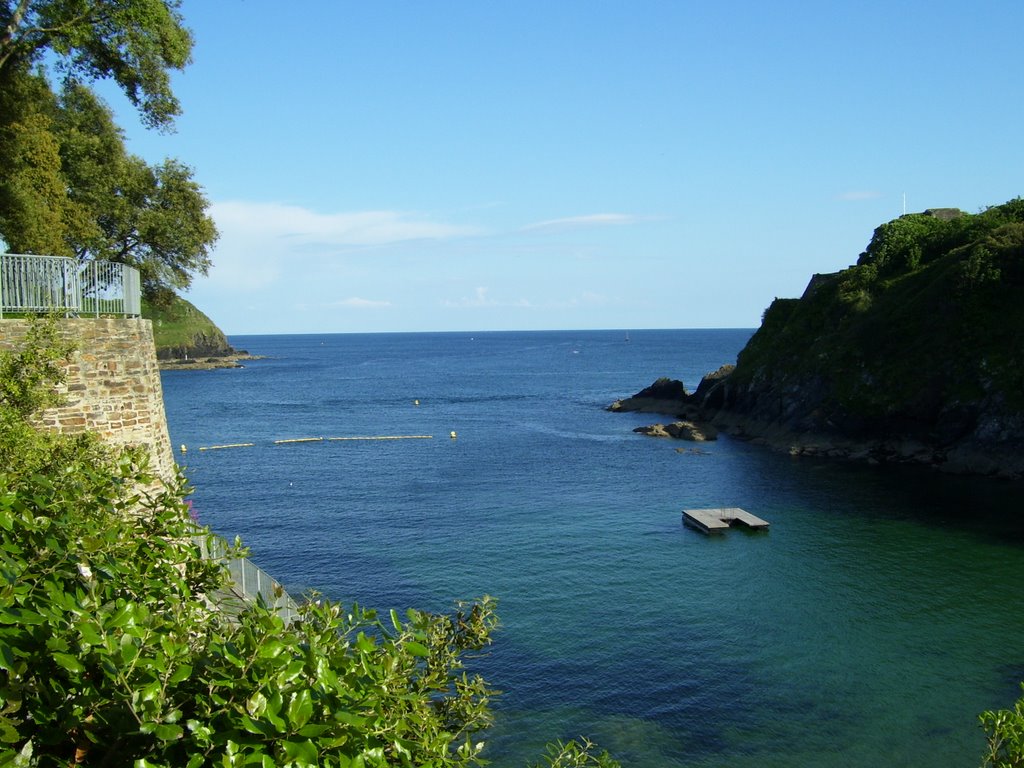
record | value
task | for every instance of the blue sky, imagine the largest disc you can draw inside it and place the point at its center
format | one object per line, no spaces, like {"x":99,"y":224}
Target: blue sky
{"x":420,"y":166}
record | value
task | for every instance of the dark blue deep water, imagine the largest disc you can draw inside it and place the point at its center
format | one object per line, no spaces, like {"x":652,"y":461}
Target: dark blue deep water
{"x":869,"y":627}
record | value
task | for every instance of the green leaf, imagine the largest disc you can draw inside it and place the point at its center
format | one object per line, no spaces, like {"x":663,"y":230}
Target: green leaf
{"x":129,"y":651}
{"x":267,"y":708}
{"x":124,"y":616}
{"x":300,"y":708}
{"x":16,"y":615}
{"x":350,"y":718}
{"x":69,"y":662}
{"x":291,"y":673}
{"x":258,"y":727}
{"x":256,"y":705}
{"x":271,"y":649}
{"x":168,"y":732}
{"x":302,"y":752}
{"x":395,"y":620}
{"x":7,"y":660}
{"x":8,"y":733}
{"x":181,"y":673}
{"x":89,"y":633}
{"x":149,"y":692}
{"x":417,"y":649}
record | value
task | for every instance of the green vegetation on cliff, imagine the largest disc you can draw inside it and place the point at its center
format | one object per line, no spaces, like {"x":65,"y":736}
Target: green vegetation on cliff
{"x":927,"y":322}
{"x":180,"y":330}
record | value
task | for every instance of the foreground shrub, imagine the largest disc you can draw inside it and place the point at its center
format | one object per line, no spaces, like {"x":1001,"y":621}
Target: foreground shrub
{"x":1004,"y":730}
{"x":113,"y":650}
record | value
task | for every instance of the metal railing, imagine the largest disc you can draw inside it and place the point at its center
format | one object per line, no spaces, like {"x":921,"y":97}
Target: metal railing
{"x":249,"y":582}
{"x":110,"y":288}
{"x":43,"y":284}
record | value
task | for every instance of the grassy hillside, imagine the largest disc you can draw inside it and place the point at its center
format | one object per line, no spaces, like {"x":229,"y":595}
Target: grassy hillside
{"x":180,"y":330}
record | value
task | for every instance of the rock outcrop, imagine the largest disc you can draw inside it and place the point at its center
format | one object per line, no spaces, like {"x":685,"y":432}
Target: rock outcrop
{"x":680,"y":430}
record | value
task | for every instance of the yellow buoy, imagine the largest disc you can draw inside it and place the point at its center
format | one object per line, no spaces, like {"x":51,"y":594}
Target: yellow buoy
{"x":415,"y":402}
{"x":453,"y":435}
{"x":183,"y":448}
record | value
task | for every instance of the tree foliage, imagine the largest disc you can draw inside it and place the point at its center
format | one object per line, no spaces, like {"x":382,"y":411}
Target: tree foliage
{"x":156,"y":221}
{"x":69,"y":187}
{"x":34,"y":204}
{"x":111,"y":652}
{"x":133,"y":42}
{"x":576,"y":754}
{"x":904,"y":244}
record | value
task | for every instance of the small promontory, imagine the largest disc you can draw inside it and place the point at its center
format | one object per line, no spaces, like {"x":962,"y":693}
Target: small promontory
{"x":914,"y":354}
{"x":185,"y":337}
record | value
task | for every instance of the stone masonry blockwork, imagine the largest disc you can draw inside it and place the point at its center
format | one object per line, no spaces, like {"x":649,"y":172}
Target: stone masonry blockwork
{"x":113,"y":384}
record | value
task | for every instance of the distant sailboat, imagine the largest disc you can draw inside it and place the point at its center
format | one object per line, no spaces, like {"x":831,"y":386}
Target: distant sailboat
{"x":627,"y":336}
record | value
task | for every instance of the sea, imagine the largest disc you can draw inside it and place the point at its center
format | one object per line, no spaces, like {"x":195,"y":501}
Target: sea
{"x":874,"y":621}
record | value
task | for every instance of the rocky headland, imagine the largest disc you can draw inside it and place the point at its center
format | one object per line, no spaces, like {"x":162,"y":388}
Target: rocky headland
{"x":913,"y":355}
{"x":186,"y":339}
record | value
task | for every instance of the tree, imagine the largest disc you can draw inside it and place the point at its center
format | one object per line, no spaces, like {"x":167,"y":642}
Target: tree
{"x":133,"y":42}
{"x":68,"y":187}
{"x":156,"y":220}
{"x":151,"y":217}
{"x":35,"y":210}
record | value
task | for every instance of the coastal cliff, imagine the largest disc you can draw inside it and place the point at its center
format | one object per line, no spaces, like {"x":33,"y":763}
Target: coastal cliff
{"x":913,"y":354}
{"x":185,"y":337}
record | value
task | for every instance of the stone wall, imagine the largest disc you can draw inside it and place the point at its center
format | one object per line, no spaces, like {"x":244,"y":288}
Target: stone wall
{"x":113,"y":384}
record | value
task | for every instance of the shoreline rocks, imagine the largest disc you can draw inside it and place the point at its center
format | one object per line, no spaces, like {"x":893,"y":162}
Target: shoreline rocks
{"x":207,"y":363}
{"x":986,"y":448}
{"x":681,"y":430}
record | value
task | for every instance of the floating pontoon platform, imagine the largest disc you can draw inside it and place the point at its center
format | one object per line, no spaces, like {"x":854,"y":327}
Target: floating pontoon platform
{"x":717,"y":520}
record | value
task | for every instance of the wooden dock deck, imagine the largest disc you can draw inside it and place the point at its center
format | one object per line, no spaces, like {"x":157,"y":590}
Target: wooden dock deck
{"x":717,"y":520}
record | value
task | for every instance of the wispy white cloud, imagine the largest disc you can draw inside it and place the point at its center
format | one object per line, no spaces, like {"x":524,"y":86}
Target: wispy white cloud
{"x":481,"y":299}
{"x":355,"y":302}
{"x":297,"y":224}
{"x":260,"y":242}
{"x":585,"y":300}
{"x":587,"y":221}
{"x":855,"y":195}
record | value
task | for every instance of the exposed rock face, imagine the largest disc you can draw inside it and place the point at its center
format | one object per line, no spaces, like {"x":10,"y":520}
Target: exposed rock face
{"x":977,"y":438}
{"x":663,"y":396}
{"x":983,"y":436}
{"x":201,"y":345}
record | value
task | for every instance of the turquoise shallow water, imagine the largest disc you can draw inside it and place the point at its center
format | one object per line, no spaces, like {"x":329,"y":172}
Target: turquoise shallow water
{"x":869,"y":627}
